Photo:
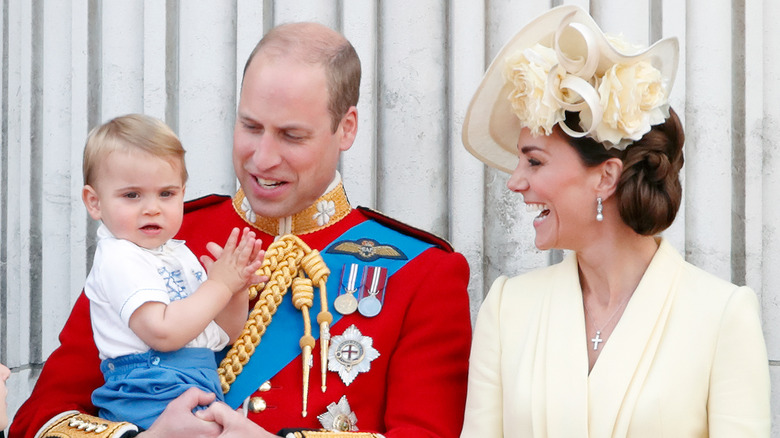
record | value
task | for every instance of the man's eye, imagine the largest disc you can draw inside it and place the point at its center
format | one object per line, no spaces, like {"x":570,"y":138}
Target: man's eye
{"x":292,"y":137}
{"x":131,"y":195}
{"x":251,"y":126}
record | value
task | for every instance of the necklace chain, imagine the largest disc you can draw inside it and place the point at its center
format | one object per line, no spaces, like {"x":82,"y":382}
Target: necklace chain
{"x":597,"y":339}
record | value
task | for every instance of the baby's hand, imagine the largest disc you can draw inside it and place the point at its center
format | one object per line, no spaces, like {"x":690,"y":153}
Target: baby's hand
{"x":237,"y":263}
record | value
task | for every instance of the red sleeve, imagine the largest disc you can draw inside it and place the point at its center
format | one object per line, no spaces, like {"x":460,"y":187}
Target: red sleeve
{"x":428,"y":373}
{"x":68,"y":377}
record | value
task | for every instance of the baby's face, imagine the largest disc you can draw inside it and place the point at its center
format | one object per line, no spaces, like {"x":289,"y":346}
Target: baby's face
{"x":139,"y":197}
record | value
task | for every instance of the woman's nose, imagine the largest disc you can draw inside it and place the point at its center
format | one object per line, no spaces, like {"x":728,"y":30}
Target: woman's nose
{"x":517,"y":181}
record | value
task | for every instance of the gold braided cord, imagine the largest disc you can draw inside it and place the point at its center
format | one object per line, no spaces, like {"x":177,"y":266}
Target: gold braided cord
{"x":303,"y":298}
{"x":288,"y":262}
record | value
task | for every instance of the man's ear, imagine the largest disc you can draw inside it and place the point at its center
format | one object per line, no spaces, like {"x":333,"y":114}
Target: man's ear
{"x":609,"y":177}
{"x":91,"y":201}
{"x":348,"y":128}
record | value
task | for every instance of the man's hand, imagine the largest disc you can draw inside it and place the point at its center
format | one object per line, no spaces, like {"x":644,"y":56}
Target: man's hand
{"x":234,"y":424}
{"x":177,"y":420}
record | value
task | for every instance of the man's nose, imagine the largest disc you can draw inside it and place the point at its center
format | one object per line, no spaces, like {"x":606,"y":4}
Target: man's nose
{"x":267,"y":153}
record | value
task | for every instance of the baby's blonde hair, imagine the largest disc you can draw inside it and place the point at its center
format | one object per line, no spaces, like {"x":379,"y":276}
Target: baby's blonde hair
{"x":128,"y":133}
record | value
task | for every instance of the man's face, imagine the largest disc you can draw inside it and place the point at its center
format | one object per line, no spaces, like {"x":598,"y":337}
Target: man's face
{"x":284,"y":151}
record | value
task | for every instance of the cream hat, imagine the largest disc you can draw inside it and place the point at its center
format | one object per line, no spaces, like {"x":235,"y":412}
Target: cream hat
{"x":562,"y":61}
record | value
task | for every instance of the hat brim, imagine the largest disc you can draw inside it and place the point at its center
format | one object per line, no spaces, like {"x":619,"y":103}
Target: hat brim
{"x":491,"y":129}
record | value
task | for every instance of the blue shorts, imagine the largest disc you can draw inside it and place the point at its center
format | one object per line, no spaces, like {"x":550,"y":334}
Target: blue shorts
{"x":139,"y":386}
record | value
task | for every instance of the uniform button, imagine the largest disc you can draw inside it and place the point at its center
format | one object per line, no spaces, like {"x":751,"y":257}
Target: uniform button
{"x":155,"y":360}
{"x":256,"y":404}
{"x":266,"y":386}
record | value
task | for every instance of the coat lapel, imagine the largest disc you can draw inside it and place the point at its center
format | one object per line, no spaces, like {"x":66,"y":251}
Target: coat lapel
{"x":565,"y":362}
{"x":621,"y":369}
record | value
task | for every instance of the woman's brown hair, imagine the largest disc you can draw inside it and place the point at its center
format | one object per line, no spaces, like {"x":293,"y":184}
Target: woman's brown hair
{"x":649,"y":191}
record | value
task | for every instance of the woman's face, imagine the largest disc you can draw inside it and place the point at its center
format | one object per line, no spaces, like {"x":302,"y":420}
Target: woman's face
{"x":555,"y":183}
{"x":4,"y":374}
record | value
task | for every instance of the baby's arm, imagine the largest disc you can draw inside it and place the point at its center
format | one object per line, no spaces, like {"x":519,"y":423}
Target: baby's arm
{"x":170,"y":327}
{"x":233,"y":316}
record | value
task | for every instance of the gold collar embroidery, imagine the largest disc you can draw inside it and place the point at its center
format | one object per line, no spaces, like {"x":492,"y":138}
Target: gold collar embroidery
{"x":327,"y":210}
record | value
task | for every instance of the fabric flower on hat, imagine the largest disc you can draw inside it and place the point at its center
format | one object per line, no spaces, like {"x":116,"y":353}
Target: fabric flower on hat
{"x":531,"y":100}
{"x":617,"y":106}
{"x":633,"y":100}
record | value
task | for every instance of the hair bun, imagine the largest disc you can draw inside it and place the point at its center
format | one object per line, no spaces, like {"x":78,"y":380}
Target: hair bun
{"x":649,"y":190}
{"x":656,"y":165}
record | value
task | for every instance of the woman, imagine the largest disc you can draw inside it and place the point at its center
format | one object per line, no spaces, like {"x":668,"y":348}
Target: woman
{"x":622,"y":338}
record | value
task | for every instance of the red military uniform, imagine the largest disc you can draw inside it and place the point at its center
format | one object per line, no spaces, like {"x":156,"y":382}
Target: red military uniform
{"x":416,"y":386}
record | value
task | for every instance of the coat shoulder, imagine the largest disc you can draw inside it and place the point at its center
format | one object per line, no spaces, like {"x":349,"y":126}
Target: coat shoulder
{"x":407,"y":229}
{"x":205,"y":202}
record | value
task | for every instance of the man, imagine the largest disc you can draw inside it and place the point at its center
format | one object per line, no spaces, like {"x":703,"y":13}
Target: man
{"x":400,"y":336}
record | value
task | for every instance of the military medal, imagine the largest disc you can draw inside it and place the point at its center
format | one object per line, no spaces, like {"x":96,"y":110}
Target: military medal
{"x":346,"y":303}
{"x":351,"y":353}
{"x":370,"y":306}
{"x":375,"y":279}
{"x":339,"y":417}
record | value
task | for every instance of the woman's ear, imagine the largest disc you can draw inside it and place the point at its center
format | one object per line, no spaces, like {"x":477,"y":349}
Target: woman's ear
{"x":91,"y":201}
{"x":610,"y":176}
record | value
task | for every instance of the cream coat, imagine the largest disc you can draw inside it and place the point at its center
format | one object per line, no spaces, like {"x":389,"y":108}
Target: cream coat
{"x":686,"y":359}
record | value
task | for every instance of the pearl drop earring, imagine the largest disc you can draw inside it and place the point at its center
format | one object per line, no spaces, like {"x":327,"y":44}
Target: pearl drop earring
{"x":599,"y":209}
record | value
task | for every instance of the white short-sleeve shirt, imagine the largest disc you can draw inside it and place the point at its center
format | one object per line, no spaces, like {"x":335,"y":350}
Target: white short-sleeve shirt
{"x":125,"y":276}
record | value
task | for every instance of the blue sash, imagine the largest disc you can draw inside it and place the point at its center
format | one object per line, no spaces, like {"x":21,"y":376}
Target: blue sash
{"x":279,"y":345}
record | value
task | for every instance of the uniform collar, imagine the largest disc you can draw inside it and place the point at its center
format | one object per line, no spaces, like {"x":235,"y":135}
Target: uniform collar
{"x":324,"y":212}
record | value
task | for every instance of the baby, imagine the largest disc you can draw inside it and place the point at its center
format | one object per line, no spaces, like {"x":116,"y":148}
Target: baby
{"x":156,"y":317}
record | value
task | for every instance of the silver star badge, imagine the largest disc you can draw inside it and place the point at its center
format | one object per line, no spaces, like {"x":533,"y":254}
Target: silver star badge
{"x":339,"y":417}
{"x":351,"y":353}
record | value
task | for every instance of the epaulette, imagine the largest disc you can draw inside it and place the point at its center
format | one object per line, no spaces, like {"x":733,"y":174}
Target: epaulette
{"x":409,"y":230}
{"x":203,"y":202}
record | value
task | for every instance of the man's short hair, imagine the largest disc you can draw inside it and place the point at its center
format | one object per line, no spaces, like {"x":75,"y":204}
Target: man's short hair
{"x":313,"y":43}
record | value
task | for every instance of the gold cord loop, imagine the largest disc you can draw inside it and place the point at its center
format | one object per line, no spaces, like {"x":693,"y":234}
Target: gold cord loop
{"x":288,"y":262}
